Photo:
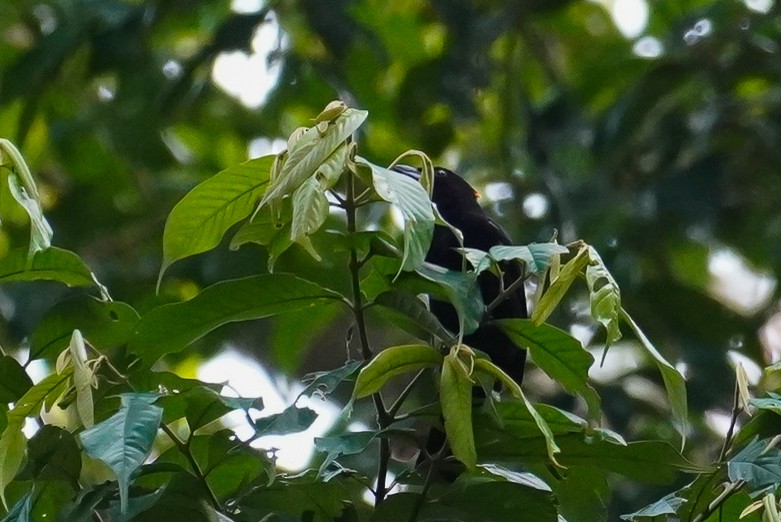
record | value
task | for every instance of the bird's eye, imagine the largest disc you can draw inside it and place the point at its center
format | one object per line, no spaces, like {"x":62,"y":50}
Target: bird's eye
{"x":440,"y":173}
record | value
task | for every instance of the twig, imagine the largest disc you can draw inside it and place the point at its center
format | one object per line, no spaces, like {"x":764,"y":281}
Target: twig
{"x":736,"y":410}
{"x":184,"y":447}
{"x":358,"y":307}
{"x":504,"y":294}
{"x":731,"y":488}
{"x":404,"y":394}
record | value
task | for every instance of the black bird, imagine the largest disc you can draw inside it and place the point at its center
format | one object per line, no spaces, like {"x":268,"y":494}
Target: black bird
{"x":456,"y":201}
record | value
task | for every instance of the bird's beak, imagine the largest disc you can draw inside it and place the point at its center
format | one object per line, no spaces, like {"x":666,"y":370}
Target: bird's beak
{"x":411,"y":172}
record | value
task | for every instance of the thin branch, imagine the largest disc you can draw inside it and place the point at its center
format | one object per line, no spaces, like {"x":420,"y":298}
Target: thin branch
{"x":732,"y":487}
{"x":736,"y":411}
{"x":185,"y":449}
{"x":358,"y":307}
{"x":506,"y":293}
{"x":404,"y":394}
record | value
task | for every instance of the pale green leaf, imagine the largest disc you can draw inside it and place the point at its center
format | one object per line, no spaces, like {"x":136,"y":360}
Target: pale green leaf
{"x":537,"y":257}
{"x":559,"y":286}
{"x":40,"y":231}
{"x":310,"y":151}
{"x":83,"y":376}
{"x":411,"y":199}
{"x":674,"y":381}
{"x":52,"y":264}
{"x":604,"y":295}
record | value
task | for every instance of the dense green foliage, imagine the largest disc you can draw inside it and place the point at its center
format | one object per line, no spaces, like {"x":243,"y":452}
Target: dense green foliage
{"x":665,"y":164}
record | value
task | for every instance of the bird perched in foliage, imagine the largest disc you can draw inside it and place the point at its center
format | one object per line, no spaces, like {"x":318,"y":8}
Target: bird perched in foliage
{"x":456,"y":201}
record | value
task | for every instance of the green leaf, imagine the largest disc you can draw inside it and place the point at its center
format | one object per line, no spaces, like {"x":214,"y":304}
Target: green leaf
{"x":310,"y":151}
{"x":415,"y":317}
{"x":536,"y":257}
{"x":558,"y":354}
{"x":318,"y":501}
{"x":14,"y":381}
{"x":489,"y":368}
{"x":52,"y":264}
{"x":199,"y":221}
{"x":52,"y":454}
{"x":674,"y":381}
{"x":292,"y":420}
{"x":667,"y":505}
{"x":124,"y":440}
{"x":559,"y":286}
{"x":411,"y":199}
{"x":13,"y":441}
{"x":455,"y":392}
{"x":757,"y":464}
{"x":391,"y":362}
{"x":22,"y":510}
{"x":170,"y":328}
{"x":605,"y":297}
{"x":324,"y":383}
{"x":200,"y":405}
{"x":105,"y":323}
{"x":461,"y":290}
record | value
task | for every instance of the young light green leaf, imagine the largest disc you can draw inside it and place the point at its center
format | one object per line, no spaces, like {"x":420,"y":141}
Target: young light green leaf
{"x":124,"y":440}
{"x":52,"y":264}
{"x":13,"y":441}
{"x":455,"y":392}
{"x":170,"y":328}
{"x":310,"y":151}
{"x":40,"y":231}
{"x":198,"y":222}
{"x":489,"y":368}
{"x":310,"y":210}
{"x":537,"y":257}
{"x":558,"y":354}
{"x":83,"y":377}
{"x":674,"y":381}
{"x":605,"y":297}
{"x":411,"y":199}
{"x":391,"y":362}
{"x":559,"y":286}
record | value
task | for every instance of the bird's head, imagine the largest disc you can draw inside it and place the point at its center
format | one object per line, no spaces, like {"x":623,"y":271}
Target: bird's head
{"x":451,"y":193}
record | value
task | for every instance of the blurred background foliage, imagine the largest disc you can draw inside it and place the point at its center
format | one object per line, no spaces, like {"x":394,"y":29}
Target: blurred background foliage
{"x":648,"y":128}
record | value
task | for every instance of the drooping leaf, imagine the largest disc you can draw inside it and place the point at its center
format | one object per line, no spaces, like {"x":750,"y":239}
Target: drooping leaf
{"x":391,"y":362}
{"x":411,"y":199}
{"x":124,"y":440}
{"x":310,"y":210}
{"x":674,"y":381}
{"x":52,"y":264}
{"x":83,"y":377}
{"x":455,"y":392}
{"x":40,"y":230}
{"x":170,"y":328}
{"x":489,"y":368}
{"x":558,"y":354}
{"x":461,"y":289}
{"x":604,"y":296}
{"x":199,"y":221}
